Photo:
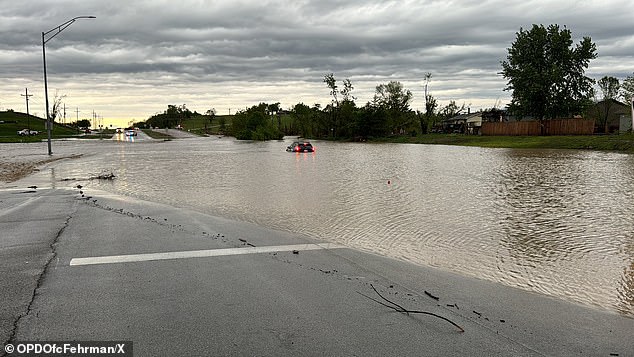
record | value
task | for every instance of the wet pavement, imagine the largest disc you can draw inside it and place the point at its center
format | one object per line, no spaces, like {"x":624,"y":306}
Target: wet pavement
{"x":195,"y":284}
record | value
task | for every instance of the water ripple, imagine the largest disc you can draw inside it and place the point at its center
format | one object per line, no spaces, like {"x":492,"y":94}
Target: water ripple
{"x":551,"y":221}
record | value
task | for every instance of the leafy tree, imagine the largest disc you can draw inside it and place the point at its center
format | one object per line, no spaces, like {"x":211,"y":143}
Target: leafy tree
{"x":627,"y":88}
{"x":371,"y":122}
{"x":341,"y":111}
{"x":346,"y":92}
{"x":84,"y":123}
{"x":301,"y":115}
{"x":170,"y":117}
{"x":211,"y":114}
{"x":331,"y":82}
{"x":223,"y":124}
{"x":395,"y":100}
{"x":451,"y":109}
{"x":610,"y":90}
{"x":546,"y":74}
{"x":254,"y":124}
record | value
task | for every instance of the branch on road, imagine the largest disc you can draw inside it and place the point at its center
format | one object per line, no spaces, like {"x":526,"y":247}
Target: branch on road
{"x":394,"y":306}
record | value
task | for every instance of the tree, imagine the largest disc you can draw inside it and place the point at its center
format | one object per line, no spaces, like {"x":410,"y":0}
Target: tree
{"x":627,"y":88}
{"x":84,"y":123}
{"x":254,"y":124}
{"x":174,"y":114}
{"x":330,"y":81}
{"x":341,"y":112}
{"x":394,"y":99}
{"x":430,"y":107}
{"x":610,"y":90}
{"x":57,"y":105}
{"x":546,"y":74}
{"x":211,"y":114}
{"x":346,"y":92}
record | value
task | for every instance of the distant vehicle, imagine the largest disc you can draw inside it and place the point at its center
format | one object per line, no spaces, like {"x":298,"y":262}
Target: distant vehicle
{"x":27,"y":132}
{"x":130,"y":132}
{"x":118,"y":131}
{"x":301,"y":146}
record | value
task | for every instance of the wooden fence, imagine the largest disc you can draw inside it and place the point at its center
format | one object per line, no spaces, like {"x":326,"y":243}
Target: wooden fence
{"x":532,"y":128}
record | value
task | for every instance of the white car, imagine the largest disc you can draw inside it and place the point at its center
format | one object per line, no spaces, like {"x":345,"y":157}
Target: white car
{"x":27,"y":132}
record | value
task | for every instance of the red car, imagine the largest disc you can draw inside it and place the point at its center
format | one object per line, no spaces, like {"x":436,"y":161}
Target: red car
{"x":301,"y":146}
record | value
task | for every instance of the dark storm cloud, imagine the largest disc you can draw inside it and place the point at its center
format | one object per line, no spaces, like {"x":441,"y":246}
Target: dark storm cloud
{"x":272,"y":42}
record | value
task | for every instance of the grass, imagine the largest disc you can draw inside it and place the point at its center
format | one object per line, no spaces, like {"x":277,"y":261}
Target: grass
{"x":623,"y":142}
{"x":156,"y":134}
{"x":12,"y":122}
{"x":196,"y":125}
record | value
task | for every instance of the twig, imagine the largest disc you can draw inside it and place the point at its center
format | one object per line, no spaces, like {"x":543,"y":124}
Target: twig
{"x":401,"y":309}
{"x":431,"y":296}
{"x":391,"y":302}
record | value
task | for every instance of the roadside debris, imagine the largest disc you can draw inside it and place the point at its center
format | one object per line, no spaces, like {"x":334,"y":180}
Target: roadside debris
{"x":104,"y":176}
{"x":431,"y":296}
{"x":394,"y":306}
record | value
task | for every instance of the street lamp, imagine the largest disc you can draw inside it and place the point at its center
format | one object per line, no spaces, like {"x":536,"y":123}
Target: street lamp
{"x":56,"y":31}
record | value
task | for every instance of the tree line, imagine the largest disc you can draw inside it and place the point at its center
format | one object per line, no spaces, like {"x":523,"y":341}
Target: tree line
{"x":388,"y":113}
{"x":545,"y":71}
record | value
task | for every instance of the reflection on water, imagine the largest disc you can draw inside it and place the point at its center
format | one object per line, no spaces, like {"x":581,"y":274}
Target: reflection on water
{"x":555,"y":222}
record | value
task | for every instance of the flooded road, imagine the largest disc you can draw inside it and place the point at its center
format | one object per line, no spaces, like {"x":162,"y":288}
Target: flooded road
{"x":552,"y":221}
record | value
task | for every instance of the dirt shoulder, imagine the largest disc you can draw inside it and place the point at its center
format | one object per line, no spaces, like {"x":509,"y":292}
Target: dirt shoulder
{"x":14,"y":170}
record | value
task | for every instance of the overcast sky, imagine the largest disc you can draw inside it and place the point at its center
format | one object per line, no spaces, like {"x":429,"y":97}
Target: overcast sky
{"x":137,"y":57}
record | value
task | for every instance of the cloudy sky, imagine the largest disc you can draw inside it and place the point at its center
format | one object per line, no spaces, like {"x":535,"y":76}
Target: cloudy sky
{"x":137,"y":57}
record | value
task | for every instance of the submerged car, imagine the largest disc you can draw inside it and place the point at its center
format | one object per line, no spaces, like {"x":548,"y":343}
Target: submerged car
{"x":301,"y":146}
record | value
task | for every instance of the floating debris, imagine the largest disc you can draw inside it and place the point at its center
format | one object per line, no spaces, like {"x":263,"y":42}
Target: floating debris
{"x":103,"y":176}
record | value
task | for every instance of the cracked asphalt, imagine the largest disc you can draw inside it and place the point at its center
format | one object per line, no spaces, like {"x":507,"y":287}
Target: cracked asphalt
{"x":265,"y":303}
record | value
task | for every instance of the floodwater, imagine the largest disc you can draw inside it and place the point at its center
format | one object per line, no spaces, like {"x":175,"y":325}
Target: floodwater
{"x":556,"y":222}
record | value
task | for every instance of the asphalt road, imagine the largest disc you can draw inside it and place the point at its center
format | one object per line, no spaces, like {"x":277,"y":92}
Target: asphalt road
{"x":177,"y":282}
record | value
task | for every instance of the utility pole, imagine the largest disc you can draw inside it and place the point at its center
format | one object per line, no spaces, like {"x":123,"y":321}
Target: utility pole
{"x":64,"y":119}
{"x":28,"y":116}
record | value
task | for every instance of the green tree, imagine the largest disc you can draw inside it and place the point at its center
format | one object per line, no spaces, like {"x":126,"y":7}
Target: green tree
{"x":84,"y":123}
{"x":342,"y":112}
{"x":371,"y":122}
{"x":301,"y":115}
{"x":610,"y":89}
{"x":210,"y":114}
{"x":546,"y":74}
{"x":395,"y":100}
{"x":254,"y":124}
{"x":223,"y":124}
{"x":452,"y":109}
{"x":627,"y":88}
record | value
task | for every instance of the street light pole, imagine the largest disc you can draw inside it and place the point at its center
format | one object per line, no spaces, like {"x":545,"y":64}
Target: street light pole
{"x":59,"y":29}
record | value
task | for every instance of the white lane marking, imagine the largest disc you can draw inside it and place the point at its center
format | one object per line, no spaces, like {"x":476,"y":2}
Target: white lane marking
{"x":113,"y":259}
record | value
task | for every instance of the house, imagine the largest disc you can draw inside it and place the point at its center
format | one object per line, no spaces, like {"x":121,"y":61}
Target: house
{"x":611,"y":112}
{"x":468,"y":123}
{"x":626,"y":121}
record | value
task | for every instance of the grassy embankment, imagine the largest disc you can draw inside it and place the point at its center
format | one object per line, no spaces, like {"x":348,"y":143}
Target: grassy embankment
{"x":12,"y":122}
{"x":196,"y":125}
{"x":623,"y":142}
{"x":156,"y":134}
